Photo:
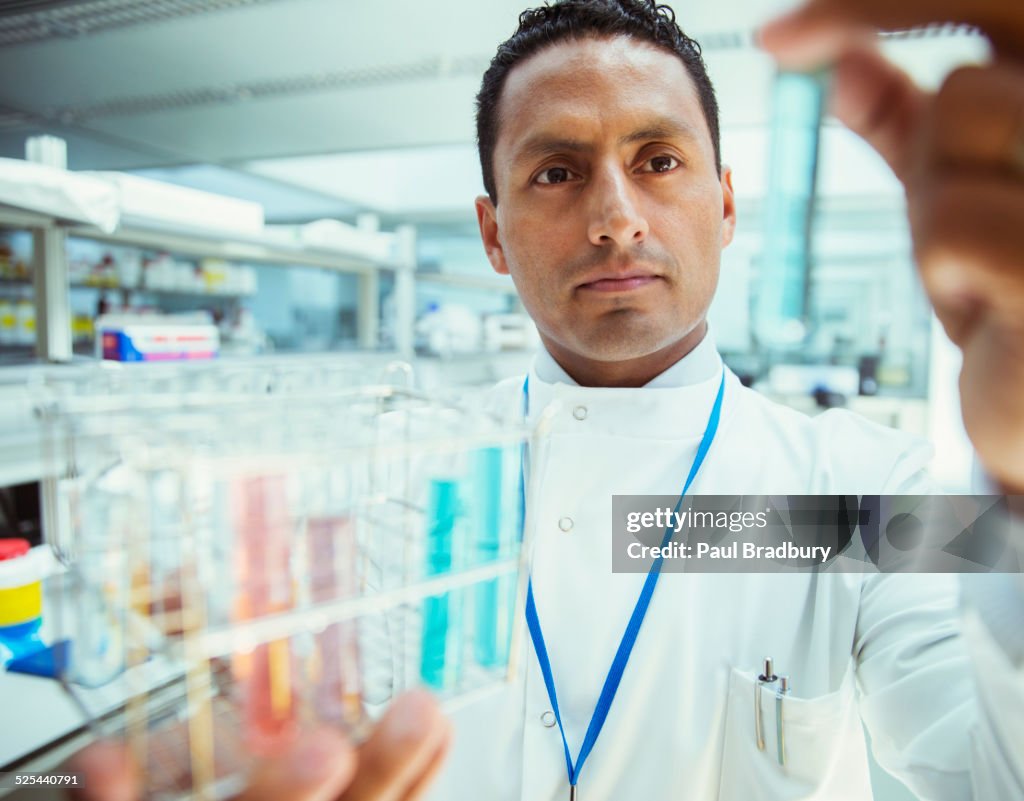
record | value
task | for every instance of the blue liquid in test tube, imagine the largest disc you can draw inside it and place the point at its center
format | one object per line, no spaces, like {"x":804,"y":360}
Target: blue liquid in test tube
{"x":492,"y":532}
{"x":440,"y":659}
{"x":781,"y":301}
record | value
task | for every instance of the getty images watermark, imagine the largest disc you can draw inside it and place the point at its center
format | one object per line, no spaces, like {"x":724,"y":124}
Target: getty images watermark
{"x":839,"y":533}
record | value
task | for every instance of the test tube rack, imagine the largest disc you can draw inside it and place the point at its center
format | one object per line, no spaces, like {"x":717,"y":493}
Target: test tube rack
{"x":255,"y":549}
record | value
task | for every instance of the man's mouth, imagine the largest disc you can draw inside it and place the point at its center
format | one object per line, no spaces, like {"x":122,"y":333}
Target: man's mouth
{"x":626,"y":283}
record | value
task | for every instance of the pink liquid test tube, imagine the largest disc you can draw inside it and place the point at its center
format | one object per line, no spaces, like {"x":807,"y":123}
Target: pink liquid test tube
{"x":332,"y":561}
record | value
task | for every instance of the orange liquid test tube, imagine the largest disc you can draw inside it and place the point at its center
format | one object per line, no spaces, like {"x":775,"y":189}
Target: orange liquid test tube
{"x":262,"y":550}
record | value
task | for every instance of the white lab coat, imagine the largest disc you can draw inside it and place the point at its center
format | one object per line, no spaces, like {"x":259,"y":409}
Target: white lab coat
{"x":883,"y":648}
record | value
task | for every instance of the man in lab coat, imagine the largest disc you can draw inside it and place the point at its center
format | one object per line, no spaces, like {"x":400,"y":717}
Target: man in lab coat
{"x":609,"y":206}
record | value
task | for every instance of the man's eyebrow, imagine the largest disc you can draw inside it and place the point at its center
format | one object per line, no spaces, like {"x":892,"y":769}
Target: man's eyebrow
{"x":544,"y":144}
{"x":665,"y":128}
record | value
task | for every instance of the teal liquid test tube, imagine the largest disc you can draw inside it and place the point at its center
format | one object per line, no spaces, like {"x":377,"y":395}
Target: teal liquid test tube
{"x":492,"y":532}
{"x":780,"y":309}
{"x":440,"y":657}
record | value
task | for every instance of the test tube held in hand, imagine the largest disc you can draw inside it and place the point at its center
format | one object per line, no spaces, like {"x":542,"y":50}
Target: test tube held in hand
{"x":781,"y":300}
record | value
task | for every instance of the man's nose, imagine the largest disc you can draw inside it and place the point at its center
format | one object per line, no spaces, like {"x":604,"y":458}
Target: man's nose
{"x":615,"y":216}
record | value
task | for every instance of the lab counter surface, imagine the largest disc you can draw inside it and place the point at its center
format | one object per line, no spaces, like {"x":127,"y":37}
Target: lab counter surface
{"x":39,"y":714}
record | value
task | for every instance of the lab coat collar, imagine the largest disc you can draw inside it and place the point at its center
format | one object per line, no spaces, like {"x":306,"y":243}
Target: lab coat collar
{"x":674,"y":405}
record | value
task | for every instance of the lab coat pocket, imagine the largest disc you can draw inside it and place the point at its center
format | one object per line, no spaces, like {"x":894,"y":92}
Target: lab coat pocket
{"x":822,"y":745}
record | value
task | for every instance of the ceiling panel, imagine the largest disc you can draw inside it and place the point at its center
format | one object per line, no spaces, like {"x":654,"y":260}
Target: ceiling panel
{"x":252,"y":43}
{"x":272,"y":40}
{"x":429,"y":112}
{"x":23,"y":21}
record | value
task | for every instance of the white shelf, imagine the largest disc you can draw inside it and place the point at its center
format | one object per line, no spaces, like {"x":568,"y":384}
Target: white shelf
{"x":147,"y":290}
{"x":11,"y":217}
{"x":51,"y":193}
{"x":209,"y":243}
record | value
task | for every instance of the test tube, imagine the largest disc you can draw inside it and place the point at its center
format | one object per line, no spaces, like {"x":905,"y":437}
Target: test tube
{"x":440,"y":657}
{"x":781,"y":299}
{"x":332,"y":568}
{"x":492,"y":533}
{"x":106,"y":520}
{"x":262,"y":555}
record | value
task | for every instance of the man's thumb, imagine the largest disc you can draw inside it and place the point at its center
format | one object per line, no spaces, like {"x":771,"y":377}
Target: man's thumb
{"x":317,"y":768}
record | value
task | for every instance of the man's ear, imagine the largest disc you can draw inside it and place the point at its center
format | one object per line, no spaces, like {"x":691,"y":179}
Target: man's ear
{"x":487,"y":217}
{"x":728,"y":207}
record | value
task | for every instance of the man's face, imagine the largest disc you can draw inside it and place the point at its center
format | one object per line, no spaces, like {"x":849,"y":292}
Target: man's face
{"x":611,"y":217}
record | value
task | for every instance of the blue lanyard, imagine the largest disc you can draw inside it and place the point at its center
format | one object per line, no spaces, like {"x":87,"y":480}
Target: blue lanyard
{"x":611,"y":682}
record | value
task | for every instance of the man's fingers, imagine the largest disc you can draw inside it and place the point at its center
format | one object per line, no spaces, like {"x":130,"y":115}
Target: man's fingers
{"x":397,"y":763}
{"x":317,"y":768}
{"x":420,"y":787}
{"x":992,"y":100}
{"x":967,"y":201}
{"x":814,"y":34}
{"x":881,"y":103}
{"x":992,"y":412}
{"x":871,"y":96}
{"x":968,"y":241}
{"x":405,"y":747}
{"x":109,"y":773}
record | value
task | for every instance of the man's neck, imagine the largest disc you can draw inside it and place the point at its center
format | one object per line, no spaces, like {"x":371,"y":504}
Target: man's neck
{"x":628,"y":373}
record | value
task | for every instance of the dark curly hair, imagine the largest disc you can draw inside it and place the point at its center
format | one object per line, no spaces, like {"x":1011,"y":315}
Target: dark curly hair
{"x":542,"y":27}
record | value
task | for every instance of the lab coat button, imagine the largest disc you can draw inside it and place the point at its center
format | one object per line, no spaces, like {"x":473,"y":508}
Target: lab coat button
{"x":565,"y":523}
{"x":580,"y":412}
{"x":548,"y":719}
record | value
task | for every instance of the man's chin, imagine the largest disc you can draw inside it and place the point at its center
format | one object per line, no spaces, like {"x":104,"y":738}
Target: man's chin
{"x":625,"y":339}
{"x":621,"y":348}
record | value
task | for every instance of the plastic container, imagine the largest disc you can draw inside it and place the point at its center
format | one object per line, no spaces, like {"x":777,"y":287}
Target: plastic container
{"x":21,"y":599}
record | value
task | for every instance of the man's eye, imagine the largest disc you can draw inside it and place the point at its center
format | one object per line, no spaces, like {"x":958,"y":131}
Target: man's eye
{"x":554,"y":175}
{"x":660,"y":164}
